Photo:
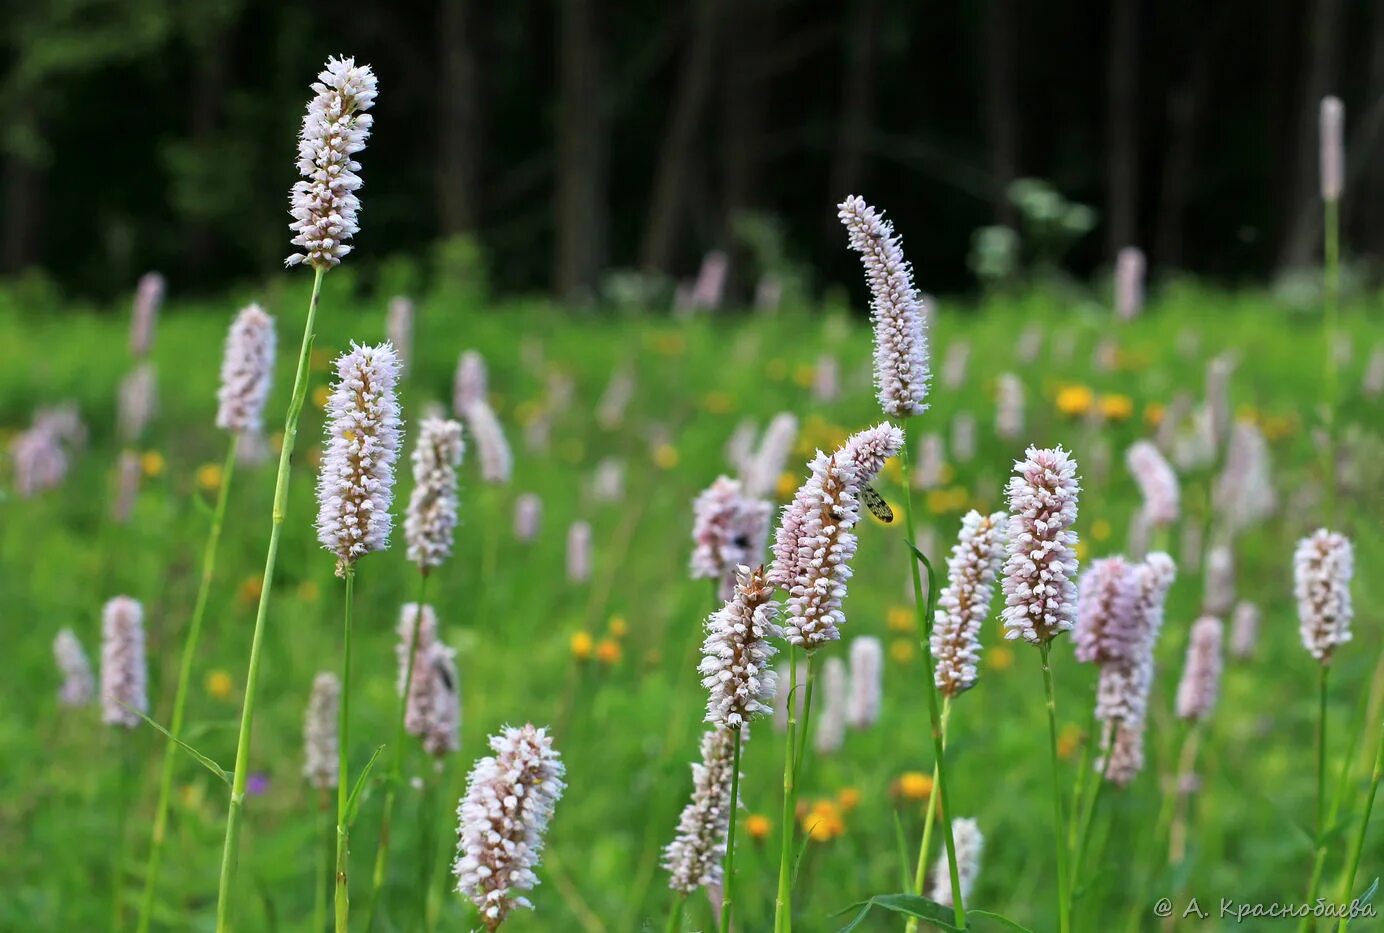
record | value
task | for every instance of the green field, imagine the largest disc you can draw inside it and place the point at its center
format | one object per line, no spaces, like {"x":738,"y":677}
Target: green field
{"x":75,"y":795}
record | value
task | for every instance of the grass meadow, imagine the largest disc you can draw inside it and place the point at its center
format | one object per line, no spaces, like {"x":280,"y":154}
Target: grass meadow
{"x":609,"y":663}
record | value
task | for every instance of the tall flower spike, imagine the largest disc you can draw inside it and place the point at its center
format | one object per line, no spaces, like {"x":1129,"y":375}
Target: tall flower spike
{"x":963,"y":437}
{"x":1157,"y":482}
{"x":432,"y":507}
{"x":355,"y":486}
{"x":247,"y":367}
{"x":964,"y":602}
{"x":1220,"y":581}
{"x":693,"y":859}
{"x":1129,"y":283}
{"x":1039,"y":596}
{"x":442,"y":734}
{"x":970,"y":843}
{"x":528,"y":516}
{"x":901,"y":355}
{"x":736,"y":652}
{"x":510,"y":797}
{"x":324,"y":205}
{"x":320,"y":737}
{"x":40,"y":463}
{"x":399,"y":329}
{"x":433,"y":709}
{"x":1333,"y":157}
{"x":1244,"y":492}
{"x":145,"y":313}
{"x":470,"y":385}
{"x":1244,"y":630}
{"x":831,"y":722}
{"x":760,"y":475}
{"x":1009,"y":406}
{"x":138,"y":398}
{"x":1323,"y":565}
{"x":728,"y":529}
{"x":78,"y":686}
{"x":1201,"y":677}
{"x":124,"y":669}
{"x":815,"y":542}
{"x":578,"y":552}
{"x":492,"y":449}
{"x":419,"y":703}
{"x":867,"y":681}
{"x":1106,"y":628}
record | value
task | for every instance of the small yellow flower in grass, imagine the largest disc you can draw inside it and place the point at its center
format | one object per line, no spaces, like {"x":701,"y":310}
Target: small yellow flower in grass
{"x":758,"y":826}
{"x":321,"y":395}
{"x":307,"y":591}
{"x":803,"y":375}
{"x":209,"y":476}
{"x":151,"y":463}
{"x":1068,"y":740}
{"x":250,"y":589}
{"x":665,"y":456}
{"x":1000,"y":658}
{"x":777,"y":369}
{"x":668,"y":343}
{"x":718,"y":403}
{"x":619,"y":628}
{"x":822,"y":822}
{"x":608,"y":651}
{"x":1153,"y":414}
{"x":848,"y":798}
{"x":1116,"y":407}
{"x":582,"y":646}
{"x":1081,"y":549}
{"x":949,"y":500}
{"x":900,"y":619}
{"x":1100,"y":529}
{"x":1075,"y":400}
{"x":192,"y":795}
{"x":219,"y":684}
{"x":787,"y":485}
{"x":913,"y":785}
{"x":901,"y":650}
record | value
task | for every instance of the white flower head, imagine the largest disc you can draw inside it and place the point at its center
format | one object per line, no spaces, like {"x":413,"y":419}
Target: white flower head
{"x":1039,"y":595}
{"x":964,"y":602}
{"x":1323,"y":565}
{"x":124,"y":668}
{"x":247,"y":368}
{"x":431,"y":519}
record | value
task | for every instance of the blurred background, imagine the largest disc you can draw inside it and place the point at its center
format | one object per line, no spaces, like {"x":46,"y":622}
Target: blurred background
{"x":595,"y":151}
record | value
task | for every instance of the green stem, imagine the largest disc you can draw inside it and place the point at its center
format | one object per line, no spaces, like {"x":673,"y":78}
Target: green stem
{"x":925,"y":612}
{"x":783,"y":902}
{"x":1063,"y":891}
{"x":175,"y":723}
{"x":1331,"y":316}
{"x":236,"y":807}
{"x":397,"y":764}
{"x":319,"y":876}
{"x":1319,"y":860}
{"x":920,"y":875}
{"x":804,"y":728}
{"x":1348,"y":885}
{"x":675,"y":913}
{"x":343,"y":830}
{"x":728,"y":883}
{"x":1079,"y":791}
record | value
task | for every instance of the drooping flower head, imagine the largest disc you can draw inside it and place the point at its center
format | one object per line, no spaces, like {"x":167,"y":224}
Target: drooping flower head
{"x":867,"y":681}
{"x":1106,"y":628}
{"x":736,"y":652}
{"x":1201,"y":677}
{"x":970,"y":843}
{"x":729,"y":529}
{"x":355,"y":486}
{"x":815,"y":542}
{"x":124,"y":669}
{"x":432,"y":507}
{"x":901,"y":354}
{"x":247,"y":368}
{"x":1323,"y":565}
{"x":78,"y":686}
{"x":510,"y":797}
{"x":693,"y":859}
{"x":964,"y":602}
{"x":1157,"y":482}
{"x":320,"y":737}
{"x":1039,"y":595}
{"x":1333,"y":150}
{"x":324,"y":205}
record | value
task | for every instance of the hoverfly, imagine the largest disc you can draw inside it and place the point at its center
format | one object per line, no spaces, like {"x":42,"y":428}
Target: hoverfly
{"x":876,"y":504}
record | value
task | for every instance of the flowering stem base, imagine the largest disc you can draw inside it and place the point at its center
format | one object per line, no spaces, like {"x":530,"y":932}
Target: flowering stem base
{"x":1348,"y":883}
{"x":236,"y":807}
{"x":1319,"y":862}
{"x":920,"y":875}
{"x":175,"y":724}
{"x":728,"y":884}
{"x":1060,"y":850}
{"x":343,"y":829}
{"x":783,"y":902}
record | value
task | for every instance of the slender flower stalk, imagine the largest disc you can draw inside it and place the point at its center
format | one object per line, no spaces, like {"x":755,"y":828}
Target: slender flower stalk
{"x":1358,"y":846}
{"x":324,"y":208}
{"x":320,"y":751}
{"x":510,"y":798}
{"x":1332,"y":140}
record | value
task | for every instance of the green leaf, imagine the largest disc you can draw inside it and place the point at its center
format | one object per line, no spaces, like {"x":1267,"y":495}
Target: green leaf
{"x":910,"y":905}
{"x":995,"y":918}
{"x":353,"y":801}
{"x":1369,"y":892}
{"x":207,"y":763}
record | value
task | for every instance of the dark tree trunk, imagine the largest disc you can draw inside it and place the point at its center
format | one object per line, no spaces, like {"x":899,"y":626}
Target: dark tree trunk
{"x":1301,"y":207}
{"x":1001,"y":105}
{"x":204,"y":122}
{"x":744,"y":92}
{"x":460,"y":121}
{"x":857,"y":103}
{"x":23,"y":186}
{"x":1122,"y":128}
{"x":1186,"y":118}
{"x":582,"y":155}
{"x":667,"y":202}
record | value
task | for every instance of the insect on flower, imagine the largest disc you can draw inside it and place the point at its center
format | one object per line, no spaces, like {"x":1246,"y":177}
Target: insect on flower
{"x":876,"y":504}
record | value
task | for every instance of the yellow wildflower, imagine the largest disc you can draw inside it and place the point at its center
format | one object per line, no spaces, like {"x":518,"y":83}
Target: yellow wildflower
{"x":1000,"y":657}
{"x":758,"y":826}
{"x":1116,"y":407}
{"x":913,"y":785}
{"x":1075,"y":400}
{"x":665,"y":456}
{"x":219,"y":684}
{"x":608,"y":651}
{"x":1100,"y":529}
{"x":900,"y":619}
{"x":581,"y":646}
{"x":152,"y":463}
{"x":901,"y":650}
{"x":209,"y":476}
